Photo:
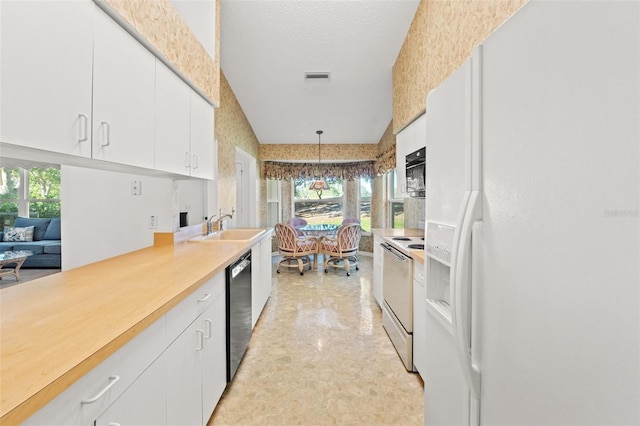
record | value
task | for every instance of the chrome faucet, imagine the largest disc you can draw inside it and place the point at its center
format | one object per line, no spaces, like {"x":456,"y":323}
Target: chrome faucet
{"x":210,"y":225}
{"x":218,"y":223}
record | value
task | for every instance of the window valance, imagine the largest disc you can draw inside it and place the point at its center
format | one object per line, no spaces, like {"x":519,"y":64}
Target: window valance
{"x":386,"y":161}
{"x":346,"y":171}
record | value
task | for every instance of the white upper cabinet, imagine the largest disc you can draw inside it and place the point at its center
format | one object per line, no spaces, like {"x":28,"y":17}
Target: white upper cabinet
{"x":124,"y":96}
{"x":75,"y":82}
{"x":184,"y":141}
{"x":45,"y":83}
{"x":173,"y":99}
{"x":408,"y":140}
{"x":402,"y":144}
{"x":203,"y":154}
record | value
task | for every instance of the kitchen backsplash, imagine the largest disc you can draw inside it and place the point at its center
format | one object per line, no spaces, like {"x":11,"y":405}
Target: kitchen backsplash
{"x":414,"y":212}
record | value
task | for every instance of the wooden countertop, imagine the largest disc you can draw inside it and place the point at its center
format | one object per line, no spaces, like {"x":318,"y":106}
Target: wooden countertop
{"x":55,"y":329}
{"x":401,"y":232}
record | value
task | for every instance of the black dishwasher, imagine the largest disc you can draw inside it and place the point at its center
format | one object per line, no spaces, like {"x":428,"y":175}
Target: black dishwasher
{"x":238,"y":312}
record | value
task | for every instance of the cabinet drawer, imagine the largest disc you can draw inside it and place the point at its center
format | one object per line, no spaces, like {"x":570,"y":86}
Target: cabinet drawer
{"x":100,"y":387}
{"x":179,"y":318}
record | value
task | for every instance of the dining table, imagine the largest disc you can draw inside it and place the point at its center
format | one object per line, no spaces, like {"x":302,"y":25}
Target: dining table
{"x":320,"y":229}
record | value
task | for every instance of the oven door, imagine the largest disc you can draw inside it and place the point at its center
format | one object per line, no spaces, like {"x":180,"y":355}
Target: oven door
{"x":397,"y":285}
{"x":415,"y":174}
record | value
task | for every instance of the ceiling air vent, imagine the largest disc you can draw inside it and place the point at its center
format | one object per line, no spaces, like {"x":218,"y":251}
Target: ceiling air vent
{"x":316,"y":76}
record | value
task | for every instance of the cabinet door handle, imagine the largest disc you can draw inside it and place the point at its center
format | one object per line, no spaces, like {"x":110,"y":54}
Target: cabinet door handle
{"x":83,"y":121}
{"x":106,"y":133}
{"x":112,"y":381}
{"x":208,"y":324}
{"x":195,"y":161}
{"x":205,"y":298}
{"x":200,"y":333}
{"x":187,"y":158}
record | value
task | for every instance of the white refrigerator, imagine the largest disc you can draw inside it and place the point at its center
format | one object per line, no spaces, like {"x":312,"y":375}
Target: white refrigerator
{"x":533,"y":223}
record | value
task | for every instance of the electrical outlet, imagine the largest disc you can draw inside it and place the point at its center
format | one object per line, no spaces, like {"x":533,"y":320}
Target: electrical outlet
{"x":153,"y":222}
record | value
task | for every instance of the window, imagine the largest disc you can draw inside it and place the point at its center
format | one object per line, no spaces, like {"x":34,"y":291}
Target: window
{"x":366,"y":189}
{"x":396,"y":204}
{"x":273,"y":202}
{"x":28,"y":193}
{"x":318,"y":206}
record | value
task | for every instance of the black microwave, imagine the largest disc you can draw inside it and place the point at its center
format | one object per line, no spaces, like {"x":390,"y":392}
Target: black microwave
{"x":415,"y":173}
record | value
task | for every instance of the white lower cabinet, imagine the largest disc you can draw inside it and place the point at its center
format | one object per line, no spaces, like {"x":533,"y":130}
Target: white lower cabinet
{"x":214,"y":357}
{"x":261,"y":269}
{"x":197,"y":363}
{"x":267,"y":267}
{"x":197,"y":368}
{"x":172,"y":373}
{"x":89,"y":397}
{"x":419,"y":318}
{"x":377,"y":269}
{"x":144,"y":403}
{"x":184,"y":375}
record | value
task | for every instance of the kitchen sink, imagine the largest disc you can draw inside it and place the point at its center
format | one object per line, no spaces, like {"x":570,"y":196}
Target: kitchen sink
{"x":235,"y":234}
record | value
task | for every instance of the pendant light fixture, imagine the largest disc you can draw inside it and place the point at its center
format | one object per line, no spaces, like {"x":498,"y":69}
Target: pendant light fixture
{"x":319,"y":184}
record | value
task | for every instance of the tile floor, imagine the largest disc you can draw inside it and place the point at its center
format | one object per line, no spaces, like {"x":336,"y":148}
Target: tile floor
{"x":318,"y":356}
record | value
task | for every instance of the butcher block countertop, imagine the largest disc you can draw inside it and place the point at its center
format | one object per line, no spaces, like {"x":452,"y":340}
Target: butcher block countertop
{"x":55,"y":329}
{"x":401,"y":232}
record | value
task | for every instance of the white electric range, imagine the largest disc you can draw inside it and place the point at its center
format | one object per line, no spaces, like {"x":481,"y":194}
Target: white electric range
{"x":397,"y":290}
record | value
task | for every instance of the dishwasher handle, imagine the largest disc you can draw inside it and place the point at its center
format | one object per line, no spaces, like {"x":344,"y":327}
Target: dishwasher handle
{"x":238,"y":268}
{"x":394,"y":252}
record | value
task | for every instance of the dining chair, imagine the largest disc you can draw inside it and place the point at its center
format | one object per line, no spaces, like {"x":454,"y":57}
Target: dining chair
{"x":297,"y":223}
{"x":341,"y":251}
{"x":294,"y":248}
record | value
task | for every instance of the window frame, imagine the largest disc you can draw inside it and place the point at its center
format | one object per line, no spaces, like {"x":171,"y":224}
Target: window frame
{"x":359,"y":203}
{"x":391,"y":199}
{"x":277,"y":200}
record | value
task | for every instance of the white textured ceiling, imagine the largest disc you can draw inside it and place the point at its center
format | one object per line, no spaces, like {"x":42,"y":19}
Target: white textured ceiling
{"x":266,"y":46}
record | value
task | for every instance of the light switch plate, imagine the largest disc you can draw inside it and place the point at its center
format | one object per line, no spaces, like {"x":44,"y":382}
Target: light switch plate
{"x":136,"y":187}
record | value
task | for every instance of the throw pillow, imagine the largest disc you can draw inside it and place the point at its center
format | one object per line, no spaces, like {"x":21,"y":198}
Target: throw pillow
{"x":15,"y":234}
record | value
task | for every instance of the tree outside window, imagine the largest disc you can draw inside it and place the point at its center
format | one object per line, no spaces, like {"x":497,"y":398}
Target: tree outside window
{"x":318,"y":208}
{"x":366,"y":191}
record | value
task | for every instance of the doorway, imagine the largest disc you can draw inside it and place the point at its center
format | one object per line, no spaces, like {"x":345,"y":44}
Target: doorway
{"x":246,"y":199}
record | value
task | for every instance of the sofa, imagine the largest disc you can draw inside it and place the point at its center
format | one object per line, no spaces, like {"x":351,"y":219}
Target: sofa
{"x":46,"y":241}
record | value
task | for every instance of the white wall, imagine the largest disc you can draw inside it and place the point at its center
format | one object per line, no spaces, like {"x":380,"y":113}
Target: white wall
{"x":101,"y":219}
{"x":191,"y":199}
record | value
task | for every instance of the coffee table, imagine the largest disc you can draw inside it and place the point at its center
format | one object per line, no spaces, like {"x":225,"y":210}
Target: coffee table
{"x":15,"y":258}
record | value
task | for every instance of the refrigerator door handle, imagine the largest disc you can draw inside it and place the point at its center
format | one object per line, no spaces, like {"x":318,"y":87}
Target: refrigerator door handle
{"x":461,"y":289}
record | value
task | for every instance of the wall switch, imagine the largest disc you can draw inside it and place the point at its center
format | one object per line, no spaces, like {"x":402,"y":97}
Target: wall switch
{"x":136,"y":187}
{"x":153,"y":222}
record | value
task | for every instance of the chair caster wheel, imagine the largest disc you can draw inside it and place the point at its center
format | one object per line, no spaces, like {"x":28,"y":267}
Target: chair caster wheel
{"x":301,"y":273}
{"x":277,"y":271}
{"x":357,"y":269}
{"x":348,"y":274}
{"x":326,"y":271}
